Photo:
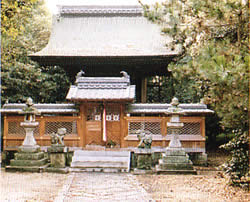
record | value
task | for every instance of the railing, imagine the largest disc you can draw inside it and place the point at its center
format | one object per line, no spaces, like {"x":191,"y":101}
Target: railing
{"x":14,"y":134}
{"x":192,"y":135}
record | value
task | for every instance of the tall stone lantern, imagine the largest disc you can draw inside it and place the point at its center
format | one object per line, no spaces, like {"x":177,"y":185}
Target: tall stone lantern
{"x":175,"y":159}
{"x":29,"y":156}
{"x":175,"y":125}
{"x":29,"y":124}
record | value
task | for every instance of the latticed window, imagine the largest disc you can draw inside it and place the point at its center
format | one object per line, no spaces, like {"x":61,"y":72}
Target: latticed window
{"x":153,"y":127}
{"x":14,"y":128}
{"x":191,"y":128}
{"x":94,"y":113}
{"x":52,"y":127}
{"x":113,"y":112}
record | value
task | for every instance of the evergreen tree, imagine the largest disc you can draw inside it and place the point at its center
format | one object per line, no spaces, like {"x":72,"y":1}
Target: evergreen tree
{"x":212,"y":39}
{"x":25,"y":28}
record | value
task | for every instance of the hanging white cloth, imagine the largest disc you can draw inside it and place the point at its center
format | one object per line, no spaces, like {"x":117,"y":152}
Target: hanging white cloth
{"x":104,"y":132}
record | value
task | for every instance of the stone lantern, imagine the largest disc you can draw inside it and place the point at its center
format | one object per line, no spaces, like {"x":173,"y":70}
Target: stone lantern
{"x":175,"y":160}
{"x":29,"y":156}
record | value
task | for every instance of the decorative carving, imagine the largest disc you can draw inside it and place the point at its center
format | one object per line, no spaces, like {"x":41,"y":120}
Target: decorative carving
{"x":30,"y":111}
{"x":145,"y":138}
{"x":125,"y":74}
{"x":80,"y":74}
{"x":57,"y":138}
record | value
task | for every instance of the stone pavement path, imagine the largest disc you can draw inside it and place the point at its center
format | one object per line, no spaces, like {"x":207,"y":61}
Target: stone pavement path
{"x":102,"y":187}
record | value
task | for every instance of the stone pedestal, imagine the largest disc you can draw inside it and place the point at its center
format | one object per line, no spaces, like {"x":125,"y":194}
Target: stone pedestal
{"x":29,"y":156}
{"x":58,"y":159}
{"x":57,"y":155}
{"x":28,"y":161}
{"x":144,"y":161}
{"x":175,"y":161}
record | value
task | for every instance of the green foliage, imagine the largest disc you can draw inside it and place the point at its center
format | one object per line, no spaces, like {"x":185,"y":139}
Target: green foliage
{"x":213,"y":64}
{"x":238,"y":166}
{"x":26,"y":29}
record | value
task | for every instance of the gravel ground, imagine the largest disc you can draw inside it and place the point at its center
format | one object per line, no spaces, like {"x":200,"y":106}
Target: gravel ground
{"x":70,"y":187}
{"x":210,"y":187}
{"x":30,"y":186}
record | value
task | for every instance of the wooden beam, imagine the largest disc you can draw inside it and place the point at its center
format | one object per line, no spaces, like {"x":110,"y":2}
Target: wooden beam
{"x":144,"y":90}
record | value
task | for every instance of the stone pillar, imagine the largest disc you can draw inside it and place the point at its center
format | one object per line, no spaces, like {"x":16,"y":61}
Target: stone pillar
{"x":58,"y":156}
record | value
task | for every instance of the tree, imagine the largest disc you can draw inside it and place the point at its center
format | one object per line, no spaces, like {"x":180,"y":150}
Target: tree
{"x":26,"y":29}
{"x":212,"y":39}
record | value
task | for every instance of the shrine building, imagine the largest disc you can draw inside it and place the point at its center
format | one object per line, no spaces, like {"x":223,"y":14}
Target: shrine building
{"x":108,"y":49}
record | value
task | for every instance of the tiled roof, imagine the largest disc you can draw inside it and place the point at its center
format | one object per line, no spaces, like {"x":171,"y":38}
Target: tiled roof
{"x":102,"y":88}
{"x":162,"y":108}
{"x":43,"y":108}
{"x":103,"y":30}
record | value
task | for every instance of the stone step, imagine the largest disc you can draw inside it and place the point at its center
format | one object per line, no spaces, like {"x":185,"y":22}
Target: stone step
{"x":29,"y":156}
{"x":175,"y":159}
{"x":98,"y":164}
{"x":159,"y":170}
{"x":175,"y":166}
{"x":101,"y":161}
{"x":27,"y":168}
{"x":104,"y":170}
{"x":39,"y":162}
{"x":101,"y":153}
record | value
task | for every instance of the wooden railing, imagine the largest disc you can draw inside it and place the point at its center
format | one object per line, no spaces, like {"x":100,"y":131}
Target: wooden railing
{"x":192,"y":135}
{"x":14,"y":134}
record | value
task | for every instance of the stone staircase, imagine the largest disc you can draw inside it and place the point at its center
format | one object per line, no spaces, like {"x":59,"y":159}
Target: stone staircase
{"x":100,"y":161}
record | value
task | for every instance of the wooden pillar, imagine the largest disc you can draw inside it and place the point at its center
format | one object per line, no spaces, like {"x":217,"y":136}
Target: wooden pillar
{"x":203,"y":127}
{"x":5,"y":133}
{"x":122,"y":125}
{"x":82,"y":125}
{"x":144,"y":90}
{"x":42,"y":131}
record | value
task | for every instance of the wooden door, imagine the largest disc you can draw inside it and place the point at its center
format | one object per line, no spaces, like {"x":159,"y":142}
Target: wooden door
{"x":94,"y":124}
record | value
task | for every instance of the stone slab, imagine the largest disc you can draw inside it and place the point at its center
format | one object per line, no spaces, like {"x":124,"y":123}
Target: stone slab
{"x":143,"y":151}
{"x":25,"y":163}
{"x":137,"y":171}
{"x":29,"y":156}
{"x":174,"y":172}
{"x":176,"y":166}
{"x":104,"y":160}
{"x":57,"y":170}
{"x":57,"y":149}
{"x":100,"y":159}
{"x":172,"y":152}
{"x":175,"y":159}
{"x":78,"y":164}
{"x":29,"y":149}
{"x":26,"y":168}
{"x":102,"y":153}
